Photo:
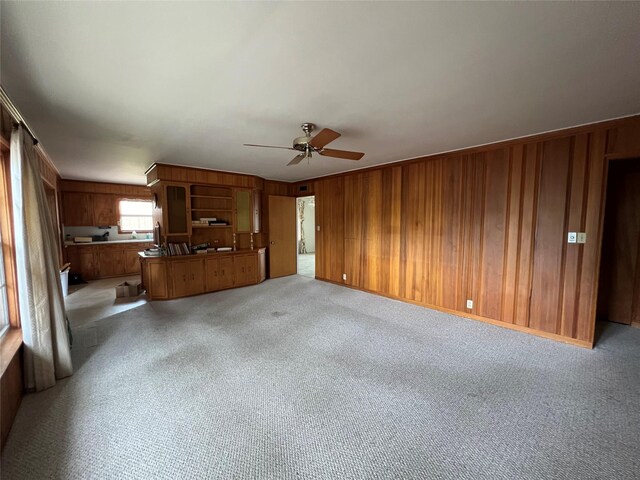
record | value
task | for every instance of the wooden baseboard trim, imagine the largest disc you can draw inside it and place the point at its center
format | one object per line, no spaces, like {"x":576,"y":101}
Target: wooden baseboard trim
{"x":497,"y":323}
{"x":635,"y":324}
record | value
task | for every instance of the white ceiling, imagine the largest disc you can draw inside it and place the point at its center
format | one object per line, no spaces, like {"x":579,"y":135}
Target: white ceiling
{"x":110,"y":88}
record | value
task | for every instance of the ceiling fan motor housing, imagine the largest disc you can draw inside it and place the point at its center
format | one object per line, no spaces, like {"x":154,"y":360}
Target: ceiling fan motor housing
{"x":301,"y":143}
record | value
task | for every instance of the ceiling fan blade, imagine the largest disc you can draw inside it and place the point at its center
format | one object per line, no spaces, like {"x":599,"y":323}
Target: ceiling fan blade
{"x":266,"y":146}
{"x":328,"y":152}
{"x":297,"y":159}
{"x":323,"y":137}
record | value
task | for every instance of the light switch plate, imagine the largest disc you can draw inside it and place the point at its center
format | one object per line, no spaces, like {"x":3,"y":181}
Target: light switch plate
{"x":572,"y":237}
{"x":582,"y":237}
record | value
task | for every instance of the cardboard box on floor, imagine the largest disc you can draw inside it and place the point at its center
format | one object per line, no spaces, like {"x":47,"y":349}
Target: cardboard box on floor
{"x":128,"y":289}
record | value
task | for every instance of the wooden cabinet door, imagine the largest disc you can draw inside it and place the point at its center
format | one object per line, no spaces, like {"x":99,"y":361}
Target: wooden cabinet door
{"x":104,"y":209}
{"x":211,"y":274}
{"x":196,"y":280}
{"x":262,"y":265}
{"x":244,"y":213}
{"x":175,"y":208}
{"x":245,"y":269}
{"x":257,"y":209}
{"x":155,"y":279}
{"x":187,"y":277}
{"x":77,"y":209}
{"x":180,"y":278}
{"x":110,"y":262}
{"x":225,"y":272}
{"x":87,"y":263}
{"x":131,"y":261}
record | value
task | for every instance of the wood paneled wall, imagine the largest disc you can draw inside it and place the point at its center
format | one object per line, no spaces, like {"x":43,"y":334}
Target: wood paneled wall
{"x":101,"y":187}
{"x":486,"y":224}
{"x":177,"y":173}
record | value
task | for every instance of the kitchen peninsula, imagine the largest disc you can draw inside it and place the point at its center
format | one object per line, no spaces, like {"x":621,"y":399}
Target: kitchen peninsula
{"x":197,"y":207}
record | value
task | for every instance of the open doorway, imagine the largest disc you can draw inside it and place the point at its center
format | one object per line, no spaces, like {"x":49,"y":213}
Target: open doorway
{"x":619,"y":284}
{"x":306,"y":235}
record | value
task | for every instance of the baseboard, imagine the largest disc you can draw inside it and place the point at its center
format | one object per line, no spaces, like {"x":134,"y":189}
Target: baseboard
{"x":471,"y":316}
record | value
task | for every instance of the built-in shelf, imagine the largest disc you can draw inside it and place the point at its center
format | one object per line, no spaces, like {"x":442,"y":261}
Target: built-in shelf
{"x":195,"y":225}
{"x":211,"y":210}
{"x":211,"y":196}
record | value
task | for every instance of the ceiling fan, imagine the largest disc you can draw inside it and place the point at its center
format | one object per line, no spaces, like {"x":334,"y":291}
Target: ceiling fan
{"x":307,"y":145}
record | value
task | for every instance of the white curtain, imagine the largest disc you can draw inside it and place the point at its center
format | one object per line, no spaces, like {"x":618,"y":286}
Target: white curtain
{"x":47,"y":354}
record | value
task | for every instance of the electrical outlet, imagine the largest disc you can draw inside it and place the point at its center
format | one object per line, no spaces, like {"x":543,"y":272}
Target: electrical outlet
{"x":318,"y":227}
{"x":582,"y":237}
{"x":344,"y":276}
{"x":572,"y":237}
{"x":470,"y":304}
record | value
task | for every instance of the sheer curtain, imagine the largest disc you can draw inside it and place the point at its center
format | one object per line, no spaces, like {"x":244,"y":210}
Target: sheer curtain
{"x":47,"y":354}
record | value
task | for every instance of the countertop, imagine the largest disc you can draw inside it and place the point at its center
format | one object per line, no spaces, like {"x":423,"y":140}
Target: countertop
{"x":196,"y":255}
{"x":110,"y":242}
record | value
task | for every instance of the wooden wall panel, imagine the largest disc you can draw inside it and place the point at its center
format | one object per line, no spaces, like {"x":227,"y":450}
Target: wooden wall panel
{"x":330,"y":216}
{"x":451,"y":253}
{"x":106,"y":188}
{"x":178,"y":173}
{"x":487,"y":224}
{"x":550,"y":240}
{"x":494,"y":229}
{"x":593,"y":215}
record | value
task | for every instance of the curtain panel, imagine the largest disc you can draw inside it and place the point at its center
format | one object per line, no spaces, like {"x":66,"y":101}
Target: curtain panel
{"x":47,"y":354}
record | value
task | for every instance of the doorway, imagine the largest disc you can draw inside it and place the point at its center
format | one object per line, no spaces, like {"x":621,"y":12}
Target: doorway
{"x":306,"y":235}
{"x":619,"y":283}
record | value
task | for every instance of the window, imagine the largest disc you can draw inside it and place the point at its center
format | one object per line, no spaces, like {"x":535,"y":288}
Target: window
{"x":135,"y":215}
{"x":4,"y":296}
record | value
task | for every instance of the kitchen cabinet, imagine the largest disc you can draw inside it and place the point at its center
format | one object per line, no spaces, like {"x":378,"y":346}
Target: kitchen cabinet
{"x":245,"y":267}
{"x":212,"y":279}
{"x":132,"y":260}
{"x":226,"y":272}
{"x":89,"y":209}
{"x":247,"y":210}
{"x":109,"y":261}
{"x":257,"y":208}
{"x":77,"y":209}
{"x":176,"y":208}
{"x":86,"y":262}
{"x":104,"y":209}
{"x":103,"y":260}
{"x":187,"y":277}
{"x":193,"y":274}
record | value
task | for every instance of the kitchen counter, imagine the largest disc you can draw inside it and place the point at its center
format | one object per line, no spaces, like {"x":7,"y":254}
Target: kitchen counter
{"x":199,"y":255}
{"x":110,"y":242}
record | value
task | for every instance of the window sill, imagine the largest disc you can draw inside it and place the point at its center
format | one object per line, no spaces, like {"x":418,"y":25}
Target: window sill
{"x":9,"y":344}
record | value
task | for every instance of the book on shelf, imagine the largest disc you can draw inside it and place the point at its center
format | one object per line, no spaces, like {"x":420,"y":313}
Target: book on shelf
{"x":176,"y":249}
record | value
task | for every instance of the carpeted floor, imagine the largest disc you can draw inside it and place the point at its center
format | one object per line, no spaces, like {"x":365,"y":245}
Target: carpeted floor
{"x":307,"y":264}
{"x":297,"y":378}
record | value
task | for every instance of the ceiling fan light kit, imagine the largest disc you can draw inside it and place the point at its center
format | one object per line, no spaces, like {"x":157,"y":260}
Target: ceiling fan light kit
{"x":309,"y":145}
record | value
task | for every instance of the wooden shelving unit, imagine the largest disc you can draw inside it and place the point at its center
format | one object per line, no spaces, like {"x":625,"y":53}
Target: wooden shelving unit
{"x":211,"y":201}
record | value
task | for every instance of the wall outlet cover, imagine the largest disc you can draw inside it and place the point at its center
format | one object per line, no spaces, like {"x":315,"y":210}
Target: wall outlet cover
{"x":572,"y":237}
{"x":469,"y":304}
{"x":582,"y":237}
{"x":344,"y":276}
